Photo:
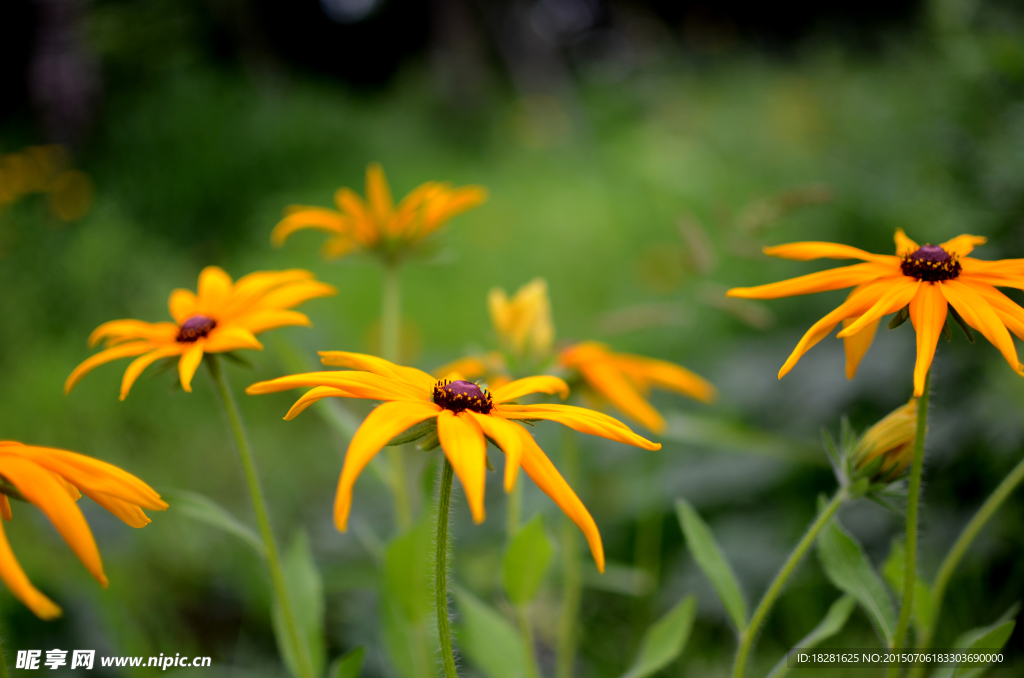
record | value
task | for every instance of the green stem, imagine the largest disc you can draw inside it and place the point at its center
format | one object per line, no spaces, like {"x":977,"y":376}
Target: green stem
{"x":444,"y":633}
{"x":913,"y":498}
{"x":259,"y":506}
{"x":390,"y":349}
{"x":526,"y":631}
{"x":970,"y":532}
{"x":749,"y":634}
{"x":572,"y":581}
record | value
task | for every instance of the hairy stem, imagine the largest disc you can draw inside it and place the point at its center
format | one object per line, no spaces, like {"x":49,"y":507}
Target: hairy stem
{"x":3,"y":660}
{"x":444,"y":633}
{"x":749,"y":635}
{"x":259,"y":506}
{"x":572,"y":583}
{"x":390,"y":343}
{"x":913,"y":499}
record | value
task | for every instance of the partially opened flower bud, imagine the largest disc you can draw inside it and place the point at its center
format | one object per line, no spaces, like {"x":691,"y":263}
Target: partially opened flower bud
{"x":887,"y":448}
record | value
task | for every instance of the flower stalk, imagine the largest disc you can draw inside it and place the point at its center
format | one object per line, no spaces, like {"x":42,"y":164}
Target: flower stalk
{"x":259,"y":506}
{"x":444,"y":633}
{"x":913,"y":499}
{"x":749,"y":634}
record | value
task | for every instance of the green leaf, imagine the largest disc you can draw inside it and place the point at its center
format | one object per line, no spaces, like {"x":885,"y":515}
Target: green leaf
{"x":990,"y":638}
{"x":348,"y":665}
{"x":849,"y":570}
{"x":892,"y":571}
{"x":408,"y":645}
{"x":306,"y":591}
{"x":205,"y":510}
{"x":407,"y":570}
{"x":664,"y":640}
{"x":711,"y":560}
{"x":526,"y":562}
{"x":833,"y":623}
{"x":487,"y":639}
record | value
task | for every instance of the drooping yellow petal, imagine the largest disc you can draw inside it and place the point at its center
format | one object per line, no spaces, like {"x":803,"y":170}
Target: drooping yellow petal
{"x":962,"y":245}
{"x":364,"y":224}
{"x":928,"y":314}
{"x":610,"y":383}
{"x":857,"y":345}
{"x":233,"y":338}
{"x":1009,"y":312}
{"x":977,"y":312}
{"x":39,"y":487}
{"x":17,"y":581}
{"x":142,"y":362}
{"x":316,"y":218}
{"x":822,"y":281}
{"x":358,"y":384}
{"x":661,"y":373}
{"x":314,"y":396}
{"x":250,"y":288}
{"x":338,"y":246}
{"x":103,"y":357}
{"x":505,"y":434}
{"x":189,"y":363}
{"x":128,"y":512}
{"x":806,"y":251}
{"x":899,"y":294}
{"x":361,"y":361}
{"x":464,"y":445}
{"x":579,"y":419}
{"x":214,"y":289}
{"x":380,"y":426}
{"x":294,"y":294}
{"x":904,"y":245}
{"x":550,"y":481}
{"x":521,"y":387}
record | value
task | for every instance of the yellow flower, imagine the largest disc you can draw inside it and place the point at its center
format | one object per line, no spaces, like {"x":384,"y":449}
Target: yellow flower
{"x":625,"y":379}
{"x":523,"y":324}
{"x":54,"y":480}
{"x":221,"y":317}
{"x":376,"y":224}
{"x":887,"y":448}
{"x":466,"y":417}
{"x":927,"y":278}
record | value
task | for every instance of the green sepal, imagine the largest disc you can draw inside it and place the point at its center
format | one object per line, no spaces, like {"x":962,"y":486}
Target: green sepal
{"x":415,"y":433}
{"x":902,"y":316}
{"x":8,"y":488}
{"x":429,"y":442}
{"x":947,"y":333}
{"x":239,"y":360}
{"x":963,"y":325}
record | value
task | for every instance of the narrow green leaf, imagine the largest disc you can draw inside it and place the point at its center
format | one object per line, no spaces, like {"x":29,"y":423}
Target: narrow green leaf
{"x":990,"y":638}
{"x":892,"y":571}
{"x":709,"y":557}
{"x":348,"y":665}
{"x":849,"y":570}
{"x":205,"y":510}
{"x":306,"y":590}
{"x":833,"y":622}
{"x":664,"y":640}
{"x":526,"y":562}
{"x":487,"y":639}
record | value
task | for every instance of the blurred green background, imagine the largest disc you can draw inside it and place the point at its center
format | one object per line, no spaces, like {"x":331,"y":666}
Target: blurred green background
{"x":638,"y":157}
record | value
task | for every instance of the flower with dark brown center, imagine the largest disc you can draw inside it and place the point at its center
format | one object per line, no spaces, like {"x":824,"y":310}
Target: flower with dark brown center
{"x":195,"y":327}
{"x":460,"y":395}
{"x":930,"y":263}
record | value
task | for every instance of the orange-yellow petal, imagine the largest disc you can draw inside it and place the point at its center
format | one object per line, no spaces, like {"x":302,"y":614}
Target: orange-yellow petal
{"x":806,"y":251}
{"x":505,"y":435}
{"x":189,"y":363}
{"x":294,"y":294}
{"x":5,"y":508}
{"x":977,"y":312}
{"x":314,"y":396}
{"x":103,"y":357}
{"x":822,"y":281}
{"x":928,"y":314}
{"x":857,"y":345}
{"x":214,"y":290}
{"x":19,"y":585}
{"x":308,"y":217}
{"x":610,"y":383}
{"x":1009,"y":312}
{"x":361,"y":361}
{"x":904,"y":245}
{"x":142,"y":362}
{"x":899,"y":294}
{"x":579,"y":419}
{"x":380,"y":426}
{"x":233,"y":338}
{"x":128,"y":512}
{"x":962,"y":245}
{"x":464,"y":445}
{"x":121,"y":331}
{"x":646,"y":371}
{"x":521,"y":387}
{"x":182,"y":305}
{"x":357,"y":384}
{"x":378,"y":193}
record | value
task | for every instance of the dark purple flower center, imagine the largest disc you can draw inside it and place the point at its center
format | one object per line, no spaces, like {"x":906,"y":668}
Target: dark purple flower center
{"x":930,"y":263}
{"x":195,"y":327}
{"x":459,"y":396}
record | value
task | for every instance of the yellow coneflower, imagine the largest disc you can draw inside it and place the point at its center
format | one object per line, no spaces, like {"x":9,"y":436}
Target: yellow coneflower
{"x":376,"y":223}
{"x":624,"y":379}
{"x":54,"y":480}
{"x":523,"y":323}
{"x":222,"y":317}
{"x":926,"y":279}
{"x":466,"y":416}
{"x":886,"y":449}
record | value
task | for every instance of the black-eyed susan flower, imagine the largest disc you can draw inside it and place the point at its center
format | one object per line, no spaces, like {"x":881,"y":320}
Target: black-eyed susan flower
{"x":54,"y":480}
{"x":928,"y":280}
{"x":466,"y":417}
{"x":886,"y":449}
{"x":222,"y":317}
{"x":523,"y":323}
{"x":625,"y":380}
{"x":376,"y":224}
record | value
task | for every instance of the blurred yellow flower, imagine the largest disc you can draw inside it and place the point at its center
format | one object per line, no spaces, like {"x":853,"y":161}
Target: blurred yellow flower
{"x":625,"y":380}
{"x":46,"y":169}
{"x":376,"y":223}
{"x":887,"y":448}
{"x":523,"y":323}
{"x":54,"y":480}
{"x":222,"y":317}
{"x":927,"y":279}
{"x":466,"y":416}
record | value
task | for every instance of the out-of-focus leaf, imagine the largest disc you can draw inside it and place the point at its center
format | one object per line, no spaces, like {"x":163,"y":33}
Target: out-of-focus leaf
{"x":709,"y":556}
{"x":526,"y":562}
{"x":664,"y":640}
{"x":408,"y":645}
{"x":407,"y":570}
{"x":830,"y":625}
{"x":985,"y":639}
{"x":348,"y":665}
{"x":488,"y":640}
{"x":892,"y":571}
{"x":721,"y":434}
{"x":848,"y":568}
{"x":202,"y":508}
{"x":618,"y":578}
{"x":306,"y":590}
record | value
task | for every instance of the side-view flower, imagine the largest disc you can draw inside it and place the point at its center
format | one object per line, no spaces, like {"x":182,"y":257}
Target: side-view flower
{"x":222,"y":317}
{"x":466,"y":416}
{"x":54,"y":480}
{"x":928,"y":280}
